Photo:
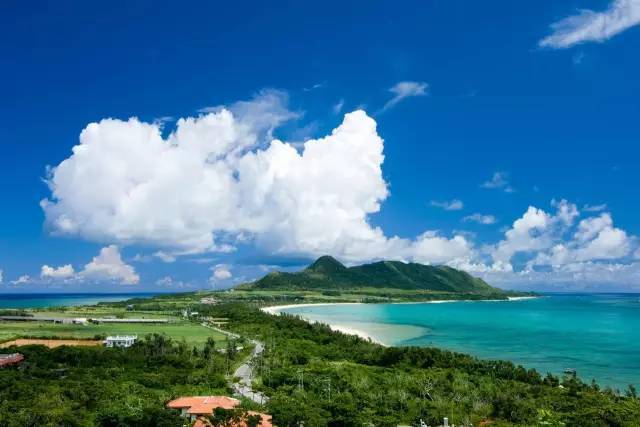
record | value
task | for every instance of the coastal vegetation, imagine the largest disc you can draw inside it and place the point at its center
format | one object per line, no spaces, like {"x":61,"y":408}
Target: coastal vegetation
{"x":312,"y":375}
{"x":86,"y":386}
{"x":320,"y":377}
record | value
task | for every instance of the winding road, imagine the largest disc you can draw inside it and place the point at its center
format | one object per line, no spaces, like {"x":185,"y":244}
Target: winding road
{"x":245,"y":375}
{"x":244,"y":371}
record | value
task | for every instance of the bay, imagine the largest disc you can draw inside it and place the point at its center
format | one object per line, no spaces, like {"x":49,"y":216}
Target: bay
{"x":598,"y":335}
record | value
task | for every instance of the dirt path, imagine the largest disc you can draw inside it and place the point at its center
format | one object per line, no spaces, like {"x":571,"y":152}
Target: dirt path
{"x":53,"y":343}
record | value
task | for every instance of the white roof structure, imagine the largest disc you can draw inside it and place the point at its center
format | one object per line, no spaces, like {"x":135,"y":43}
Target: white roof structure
{"x":120,"y":340}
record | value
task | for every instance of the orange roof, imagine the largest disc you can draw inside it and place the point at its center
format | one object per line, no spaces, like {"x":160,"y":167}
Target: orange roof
{"x":203,"y":404}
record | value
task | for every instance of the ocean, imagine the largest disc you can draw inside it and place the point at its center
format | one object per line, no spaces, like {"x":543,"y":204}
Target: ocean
{"x":57,"y":300}
{"x":598,"y":335}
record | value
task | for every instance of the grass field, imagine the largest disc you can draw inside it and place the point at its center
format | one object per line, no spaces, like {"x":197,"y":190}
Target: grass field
{"x":192,"y":333}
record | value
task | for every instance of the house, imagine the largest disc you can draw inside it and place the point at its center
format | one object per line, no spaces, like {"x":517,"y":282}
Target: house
{"x":197,"y":408}
{"x":187,"y":313}
{"x":120,"y":340}
{"x":10,"y":359}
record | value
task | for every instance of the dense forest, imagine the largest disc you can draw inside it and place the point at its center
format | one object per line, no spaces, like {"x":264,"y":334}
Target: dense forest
{"x":320,"y":377}
{"x":86,"y":386}
{"x":312,"y":375}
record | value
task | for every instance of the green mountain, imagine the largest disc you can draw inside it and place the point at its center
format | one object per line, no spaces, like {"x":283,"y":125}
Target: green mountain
{"x":328,"y":273}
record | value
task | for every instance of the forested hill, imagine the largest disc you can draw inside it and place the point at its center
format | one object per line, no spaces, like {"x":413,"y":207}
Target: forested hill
{"x":328,"y":273}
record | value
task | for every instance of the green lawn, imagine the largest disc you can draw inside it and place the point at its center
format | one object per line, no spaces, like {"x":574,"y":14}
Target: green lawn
{"x":192,"y":333}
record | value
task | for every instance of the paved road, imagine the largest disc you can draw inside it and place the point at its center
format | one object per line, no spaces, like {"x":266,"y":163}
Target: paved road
{"x":245,"y":373}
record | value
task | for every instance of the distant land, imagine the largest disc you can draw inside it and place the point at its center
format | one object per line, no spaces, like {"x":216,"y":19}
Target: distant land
{"x":327,"y":273}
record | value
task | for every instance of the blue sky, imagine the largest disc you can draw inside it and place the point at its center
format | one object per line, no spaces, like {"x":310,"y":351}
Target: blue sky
{"x":508,"y":129}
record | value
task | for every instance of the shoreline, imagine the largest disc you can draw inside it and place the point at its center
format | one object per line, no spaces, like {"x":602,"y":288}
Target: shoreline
{"x":348,"y":330}
{"x":352,"y":331}
{"x":276,"y":310}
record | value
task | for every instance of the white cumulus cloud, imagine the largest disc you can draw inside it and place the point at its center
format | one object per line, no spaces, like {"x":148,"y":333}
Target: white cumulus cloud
{"x":499,"y":180}
{"x":528,"y":233}
{"x":594,"y":208}
{"x":591,"y":26}
{"x":221,"y":272}
{"x":220,"y":179}
{"x":592,"y":251}
{"x":448,"y":205}
{"x":109,"y":266}
{"x":62,"y":272}
{"x":25,"y":278}
{"x":211,"y":179}
{"x":165,"y":257}
{"x":480,"y":219}
{"x":431,"y":248}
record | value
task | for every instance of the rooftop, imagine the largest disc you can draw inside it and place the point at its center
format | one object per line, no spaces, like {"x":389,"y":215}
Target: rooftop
{"x":10,"y":359}
{"x":122,"y":337}
{"x":205,"y":405}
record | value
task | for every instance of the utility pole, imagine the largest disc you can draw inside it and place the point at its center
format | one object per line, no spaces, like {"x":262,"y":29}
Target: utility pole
{"x":327,"y":388}
{"x":301,"y":379}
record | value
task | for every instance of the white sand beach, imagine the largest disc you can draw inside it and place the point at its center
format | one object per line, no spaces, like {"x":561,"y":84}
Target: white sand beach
{"x":357,"y":332}
{"x":349,"y":330}
{"x":276,"y":309}
{"x":521,"y":298}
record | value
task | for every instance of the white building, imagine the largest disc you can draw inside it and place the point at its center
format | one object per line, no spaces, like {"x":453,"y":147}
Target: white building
{"x":120,"y":340}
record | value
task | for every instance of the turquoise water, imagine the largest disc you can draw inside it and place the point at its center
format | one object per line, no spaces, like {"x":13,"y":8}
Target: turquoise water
{"x":596,"y":334}
{"x":57,"y":300}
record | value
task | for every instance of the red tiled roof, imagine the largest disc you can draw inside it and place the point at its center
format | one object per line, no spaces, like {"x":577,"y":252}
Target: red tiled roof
{"x":10,"y":359}
{"x":205,"y":405}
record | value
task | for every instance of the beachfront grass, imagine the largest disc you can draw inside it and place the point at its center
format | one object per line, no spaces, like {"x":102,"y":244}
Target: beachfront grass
{"x":192,"y":333}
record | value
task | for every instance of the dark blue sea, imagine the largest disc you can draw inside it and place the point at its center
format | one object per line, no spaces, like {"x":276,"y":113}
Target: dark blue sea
{"x":57,"y":300}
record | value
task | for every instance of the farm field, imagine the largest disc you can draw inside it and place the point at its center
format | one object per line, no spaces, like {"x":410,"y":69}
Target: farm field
{"x":102,"y":311}
{"x":192,"y":333}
